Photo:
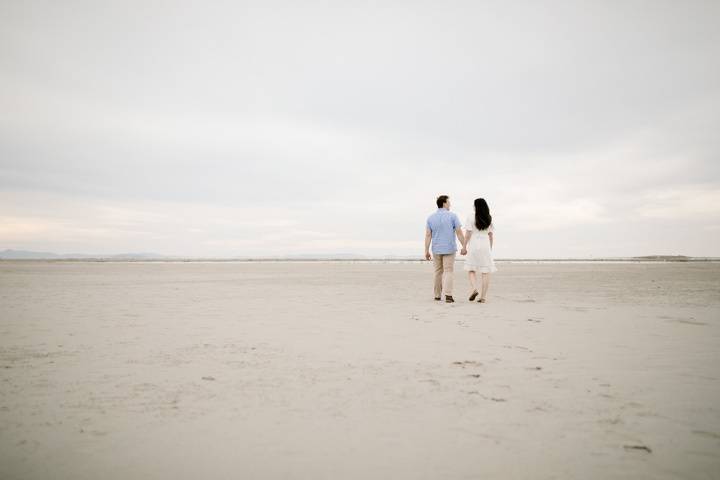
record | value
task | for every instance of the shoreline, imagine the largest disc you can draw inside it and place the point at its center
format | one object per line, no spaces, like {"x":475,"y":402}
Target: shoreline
{"x":629,"y":260}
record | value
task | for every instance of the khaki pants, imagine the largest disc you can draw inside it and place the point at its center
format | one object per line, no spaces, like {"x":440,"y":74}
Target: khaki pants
{"x":444,"y":271}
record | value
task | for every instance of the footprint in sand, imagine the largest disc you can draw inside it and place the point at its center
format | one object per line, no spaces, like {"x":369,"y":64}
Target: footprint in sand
{"x":431,"y":381}
{"x":688,"y":321}
{"x":517,"y":347}
{"x":612,"y":421}
{"x":467,"y":363}
{"x":494,"y":399}
{"x":638,"y":447}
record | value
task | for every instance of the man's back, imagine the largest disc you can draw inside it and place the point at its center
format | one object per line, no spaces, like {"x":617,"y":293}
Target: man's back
{"x":442,"y":225}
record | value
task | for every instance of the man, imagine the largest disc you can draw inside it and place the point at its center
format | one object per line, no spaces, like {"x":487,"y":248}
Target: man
{"x":441,"y":229}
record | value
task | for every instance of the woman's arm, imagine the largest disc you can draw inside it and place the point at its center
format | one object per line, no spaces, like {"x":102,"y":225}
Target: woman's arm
{"x":463,"y":242}
{"x":468,"y":234}
{"x":490,"y":234}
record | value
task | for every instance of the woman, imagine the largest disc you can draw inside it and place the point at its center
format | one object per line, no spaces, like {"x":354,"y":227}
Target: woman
{"x":479,"y":240}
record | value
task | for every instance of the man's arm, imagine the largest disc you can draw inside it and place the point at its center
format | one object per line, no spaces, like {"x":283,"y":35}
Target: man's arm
{"x":461,"y":237}
{"x":428,"y":237}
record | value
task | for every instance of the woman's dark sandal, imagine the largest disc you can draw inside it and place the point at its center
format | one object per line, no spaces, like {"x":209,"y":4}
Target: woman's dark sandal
{"x":473,"y":295}
{"x":438,"y":298}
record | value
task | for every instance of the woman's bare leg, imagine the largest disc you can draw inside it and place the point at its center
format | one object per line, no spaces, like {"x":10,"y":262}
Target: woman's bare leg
{"x":472,"y":277}
{"x":485,"y":285}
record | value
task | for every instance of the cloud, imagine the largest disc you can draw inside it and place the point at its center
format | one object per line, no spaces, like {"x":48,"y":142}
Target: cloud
{"x":272,"y":127}
{"x":682,"y":204}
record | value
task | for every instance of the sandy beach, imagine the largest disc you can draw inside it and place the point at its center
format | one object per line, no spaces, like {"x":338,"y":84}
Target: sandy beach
{"x":343,"y":370}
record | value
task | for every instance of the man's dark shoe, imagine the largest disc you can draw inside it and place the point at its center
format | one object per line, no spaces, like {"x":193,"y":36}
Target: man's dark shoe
{"x":473,"y":295}
{"x":438,"y":298}
{"x":449,"y":299}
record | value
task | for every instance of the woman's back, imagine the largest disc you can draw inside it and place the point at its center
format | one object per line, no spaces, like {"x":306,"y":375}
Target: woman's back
{"x":471,"y":226}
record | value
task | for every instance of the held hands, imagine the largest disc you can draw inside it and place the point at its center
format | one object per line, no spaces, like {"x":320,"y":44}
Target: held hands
{"x":463,"y":251}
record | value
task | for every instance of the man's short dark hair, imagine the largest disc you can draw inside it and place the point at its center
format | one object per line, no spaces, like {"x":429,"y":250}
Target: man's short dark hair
{"x":441,"y":200}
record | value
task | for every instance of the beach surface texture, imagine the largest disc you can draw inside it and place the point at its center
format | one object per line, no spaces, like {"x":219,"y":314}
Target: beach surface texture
{"x":317,"y":370}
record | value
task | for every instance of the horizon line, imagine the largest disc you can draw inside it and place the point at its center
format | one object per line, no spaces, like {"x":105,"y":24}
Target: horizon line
{"x":13,"y":254}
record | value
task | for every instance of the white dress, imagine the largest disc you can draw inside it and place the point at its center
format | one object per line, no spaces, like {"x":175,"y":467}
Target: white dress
{"x":479,"y":256}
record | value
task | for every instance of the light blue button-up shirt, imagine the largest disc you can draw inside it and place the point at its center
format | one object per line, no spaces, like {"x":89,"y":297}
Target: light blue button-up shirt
{"x":442,"y":225}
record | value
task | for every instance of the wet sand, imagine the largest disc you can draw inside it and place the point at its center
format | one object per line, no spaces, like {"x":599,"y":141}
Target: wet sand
{"x":340,"y":370}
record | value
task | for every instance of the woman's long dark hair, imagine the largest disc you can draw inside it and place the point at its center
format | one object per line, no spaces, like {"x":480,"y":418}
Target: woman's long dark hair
{"x":483,"y":219}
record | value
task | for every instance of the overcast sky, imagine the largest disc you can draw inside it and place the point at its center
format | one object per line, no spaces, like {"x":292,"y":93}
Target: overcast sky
{"x":274,"y":128}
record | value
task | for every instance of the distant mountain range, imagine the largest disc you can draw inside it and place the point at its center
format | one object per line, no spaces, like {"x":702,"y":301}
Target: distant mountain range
{"x":9,"y":254}
{"x":28,"y":255}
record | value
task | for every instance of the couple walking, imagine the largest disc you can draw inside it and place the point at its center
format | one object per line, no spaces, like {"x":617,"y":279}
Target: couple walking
{"x":477,"y":241}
